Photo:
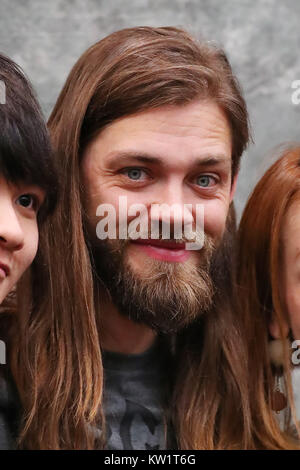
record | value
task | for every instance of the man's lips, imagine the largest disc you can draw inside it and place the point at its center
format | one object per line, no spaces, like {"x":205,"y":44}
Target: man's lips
{"x":166,"y":244}
{"x":163,"y":250}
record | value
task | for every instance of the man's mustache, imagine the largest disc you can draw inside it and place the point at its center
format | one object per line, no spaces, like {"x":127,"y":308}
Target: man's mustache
{"x":198,"y":237}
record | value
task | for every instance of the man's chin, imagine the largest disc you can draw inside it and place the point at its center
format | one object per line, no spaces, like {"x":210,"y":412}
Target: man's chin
{"x":164,"y":320}
{"x":166,"y":296}
{"x":142,"y":263}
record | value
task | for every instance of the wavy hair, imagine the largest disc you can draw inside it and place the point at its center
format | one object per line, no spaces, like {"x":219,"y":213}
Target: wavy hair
{"x":127,"y":72}
{"x":259,"y":277}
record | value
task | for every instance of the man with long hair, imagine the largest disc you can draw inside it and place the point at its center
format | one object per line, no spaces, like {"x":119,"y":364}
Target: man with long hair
{"x":139,"y":345}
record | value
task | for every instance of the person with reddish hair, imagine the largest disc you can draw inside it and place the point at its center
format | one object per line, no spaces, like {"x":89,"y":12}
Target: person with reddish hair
{"x":269,"y":294}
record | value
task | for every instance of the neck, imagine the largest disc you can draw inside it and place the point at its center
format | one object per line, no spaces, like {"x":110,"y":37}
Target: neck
{"x":120,"y":334}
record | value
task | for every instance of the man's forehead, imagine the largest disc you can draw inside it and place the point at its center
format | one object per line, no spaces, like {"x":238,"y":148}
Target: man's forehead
{"x":177,"y":119}
{"x":195,"y":134}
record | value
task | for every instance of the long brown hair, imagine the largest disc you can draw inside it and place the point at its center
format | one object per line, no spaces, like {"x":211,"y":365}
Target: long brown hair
{"x":127,"y":72}
{"x":259,"y":278}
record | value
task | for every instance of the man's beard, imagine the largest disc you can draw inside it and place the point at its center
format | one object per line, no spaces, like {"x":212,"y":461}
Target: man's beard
{"x":166,"y":296}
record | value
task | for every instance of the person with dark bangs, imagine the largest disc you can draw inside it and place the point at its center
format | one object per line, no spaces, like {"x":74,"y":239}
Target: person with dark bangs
{"x":28,"y":193}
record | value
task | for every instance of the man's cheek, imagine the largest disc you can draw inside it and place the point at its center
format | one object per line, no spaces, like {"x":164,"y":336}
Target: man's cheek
{"x":215,"y":220}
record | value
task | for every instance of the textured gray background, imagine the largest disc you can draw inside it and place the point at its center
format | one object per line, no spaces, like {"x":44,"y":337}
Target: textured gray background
{"x":261,"y":38}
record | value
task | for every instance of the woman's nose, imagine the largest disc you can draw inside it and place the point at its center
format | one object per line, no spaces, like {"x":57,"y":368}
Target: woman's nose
{"x":11,"y":233}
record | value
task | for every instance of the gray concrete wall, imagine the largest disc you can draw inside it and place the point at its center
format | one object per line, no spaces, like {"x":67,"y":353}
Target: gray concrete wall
{"x":261,"y":37}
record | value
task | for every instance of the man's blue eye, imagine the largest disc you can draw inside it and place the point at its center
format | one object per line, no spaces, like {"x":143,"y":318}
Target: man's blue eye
{"x":134,"y":173}
{"x":204,"y":180}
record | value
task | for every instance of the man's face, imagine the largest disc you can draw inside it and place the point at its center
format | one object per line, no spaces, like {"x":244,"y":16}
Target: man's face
{"x":171,"y":155}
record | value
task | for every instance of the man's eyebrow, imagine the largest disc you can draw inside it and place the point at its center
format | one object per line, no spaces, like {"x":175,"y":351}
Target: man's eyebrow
{"x":209,"y":160}
{"x":205,"y":160}
{"x":138,"y":156}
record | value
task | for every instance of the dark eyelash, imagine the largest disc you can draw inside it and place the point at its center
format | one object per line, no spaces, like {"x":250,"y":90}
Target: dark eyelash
{"x":35,"y":201}
{"x":209,"y":176}
{"x":123,"y":171}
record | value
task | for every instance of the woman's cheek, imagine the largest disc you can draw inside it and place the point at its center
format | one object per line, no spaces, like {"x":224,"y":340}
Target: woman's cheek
{"x":30,"y":245}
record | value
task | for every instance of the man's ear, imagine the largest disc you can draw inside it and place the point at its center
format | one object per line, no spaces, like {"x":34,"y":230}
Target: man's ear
{"x":275,"y":330}
{"x":233,"y":186}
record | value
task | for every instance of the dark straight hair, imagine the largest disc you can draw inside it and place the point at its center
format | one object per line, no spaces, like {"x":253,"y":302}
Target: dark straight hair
{"x":25,"y":157}
{"x":25,"y":151}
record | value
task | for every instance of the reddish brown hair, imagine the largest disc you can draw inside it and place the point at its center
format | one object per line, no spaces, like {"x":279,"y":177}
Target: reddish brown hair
{"x":127,"y":72}
{"x":259,"y":277}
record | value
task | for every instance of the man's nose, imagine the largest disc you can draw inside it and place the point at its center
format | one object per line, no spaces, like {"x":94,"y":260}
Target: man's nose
{"x":174,"y":206}
{"x":11,"y":233}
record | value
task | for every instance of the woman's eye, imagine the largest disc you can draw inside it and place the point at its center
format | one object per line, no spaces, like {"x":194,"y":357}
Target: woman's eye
{"x":205,"y":180}
{"x":28,"y":201}
{"x":134,"y":173}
